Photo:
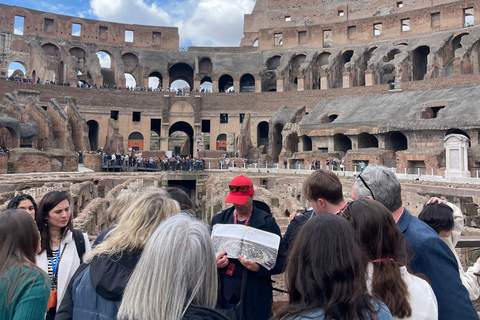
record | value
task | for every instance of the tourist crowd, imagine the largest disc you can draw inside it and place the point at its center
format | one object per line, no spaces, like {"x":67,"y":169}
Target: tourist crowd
{"x":365,"y":259}
{"x":174,"y":163}
{"x":83,"y":85}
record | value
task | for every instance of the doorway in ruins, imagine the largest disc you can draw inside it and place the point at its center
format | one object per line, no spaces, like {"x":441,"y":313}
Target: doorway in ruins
{"x":135,"y":142}
{"x":277,"y":141}
{"x":180,"y":140}
{"x":93,"y":134}
{"x":262,"y":134}
{"x":7,"y":138}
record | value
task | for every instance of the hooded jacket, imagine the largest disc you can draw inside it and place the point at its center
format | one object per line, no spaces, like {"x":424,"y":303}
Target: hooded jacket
{"x":95,"y":291}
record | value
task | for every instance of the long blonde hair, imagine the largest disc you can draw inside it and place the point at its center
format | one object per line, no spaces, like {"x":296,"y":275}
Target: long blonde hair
{"x":120,"y":204}
{"x":177,"y":268}
{"x":136,"y":225}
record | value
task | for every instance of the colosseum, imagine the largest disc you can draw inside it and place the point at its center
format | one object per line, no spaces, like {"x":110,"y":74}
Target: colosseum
{"x":385,"y":82}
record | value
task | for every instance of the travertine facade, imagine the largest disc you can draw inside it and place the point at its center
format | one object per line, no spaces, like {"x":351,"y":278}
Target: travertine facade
{"x":373,"y":81}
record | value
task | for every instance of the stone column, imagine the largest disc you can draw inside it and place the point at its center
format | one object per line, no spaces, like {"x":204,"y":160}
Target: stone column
{"x":166,"y":82}
{"x":324,"y":83}
{"x":300,"y":84}
{"x":215,"y":86}
{"x":236,"y":85}
{"x":258,"y":85}
{"x":231,"y":143}
{"x":347,"y":80}
{"x":196,"y":85}
{"x":279,"y":85}
{"x":369,"y":78}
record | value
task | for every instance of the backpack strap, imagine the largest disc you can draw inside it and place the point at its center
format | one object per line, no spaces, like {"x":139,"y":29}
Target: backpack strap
{"x":79,"y":243}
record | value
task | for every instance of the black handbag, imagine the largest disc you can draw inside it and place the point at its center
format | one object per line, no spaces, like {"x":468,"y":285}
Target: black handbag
{"x":238,"y":312}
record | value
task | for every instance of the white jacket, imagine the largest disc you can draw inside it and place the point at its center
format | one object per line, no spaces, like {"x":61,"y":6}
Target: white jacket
{"x":68,"y":263}
{"x":422,"y":299}
{"x":469,"y":280}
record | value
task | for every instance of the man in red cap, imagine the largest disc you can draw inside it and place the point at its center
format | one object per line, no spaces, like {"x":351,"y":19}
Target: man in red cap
{"x":258,"y":297}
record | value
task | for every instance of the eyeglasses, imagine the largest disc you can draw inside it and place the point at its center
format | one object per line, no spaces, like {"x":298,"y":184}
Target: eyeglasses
{"x":365,"y":184}
{"x":243,"y":189}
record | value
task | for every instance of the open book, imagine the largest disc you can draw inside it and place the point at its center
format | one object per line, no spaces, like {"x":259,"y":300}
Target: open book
{"x":252,"y":244}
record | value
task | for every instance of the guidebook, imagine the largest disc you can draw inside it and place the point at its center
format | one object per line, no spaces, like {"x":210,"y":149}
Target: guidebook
{"x":250,"y":243}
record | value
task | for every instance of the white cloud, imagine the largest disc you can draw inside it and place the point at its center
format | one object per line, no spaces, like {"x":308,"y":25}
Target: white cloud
{"x":130,"y":11}
{"x":200,"y":22}
{"x":10,"y":72}
{"x":216,"y":22}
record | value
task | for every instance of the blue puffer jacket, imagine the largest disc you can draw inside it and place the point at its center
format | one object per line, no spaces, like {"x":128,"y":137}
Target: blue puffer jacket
{"x":95,"y":291}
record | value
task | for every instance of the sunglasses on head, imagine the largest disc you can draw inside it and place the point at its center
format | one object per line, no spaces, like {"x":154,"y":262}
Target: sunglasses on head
{"x":365,"y":184}
{"x":239,"y":188}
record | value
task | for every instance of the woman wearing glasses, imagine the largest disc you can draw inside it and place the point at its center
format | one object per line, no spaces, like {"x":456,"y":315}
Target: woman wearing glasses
{"x":324,"y":275}
{"x":406,"y":296}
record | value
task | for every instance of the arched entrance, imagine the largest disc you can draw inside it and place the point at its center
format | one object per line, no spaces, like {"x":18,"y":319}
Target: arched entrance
{"x":342,"y":143}
{"x":396,"y":141}
{"x":181,"y":71}
{"x":247,"y":83}
{"x":367,"y":140}
{"x":222,"y":142}
{"x":93,"y":134}
{"x":277,"y":141}
{"x":7,"y":138}
{"x":262,"y":134}
{"x":135,"y":141}
{"x":187,"y":145}
{"x":225,"y":83}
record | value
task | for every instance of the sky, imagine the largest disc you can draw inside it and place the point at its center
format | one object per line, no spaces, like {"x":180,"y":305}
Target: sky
{"x":199,"y":22}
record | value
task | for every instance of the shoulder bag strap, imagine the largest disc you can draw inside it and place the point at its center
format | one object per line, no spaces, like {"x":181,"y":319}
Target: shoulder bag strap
{"x":79,"y":243}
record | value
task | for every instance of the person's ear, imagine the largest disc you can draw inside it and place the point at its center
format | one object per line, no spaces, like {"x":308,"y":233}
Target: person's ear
{"x":370,"y":197}
{"x":322,"y":202}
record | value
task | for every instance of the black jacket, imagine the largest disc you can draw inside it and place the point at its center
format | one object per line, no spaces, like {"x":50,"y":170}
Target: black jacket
{"x":258,"y":293}
{"x":294,"y":226}
{"x":195,"y":312}
{"x":108,"y":278}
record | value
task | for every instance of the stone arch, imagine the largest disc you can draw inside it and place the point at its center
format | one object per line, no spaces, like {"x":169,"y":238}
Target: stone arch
{"x":273,"y":62}
{"x":247,"y":83}
{"x":206,"y":84}
{"x":294,"y":71}
{"x":105,"y":59}
{"x":221,"y":142}
{"x":255,"y":42}
{"x":307,"y":143}
{"x":291,"y":144}
{"x":329,"y":118}
{"x":456,"y":131}
{"x":277,"y":140}
{"x":449,"y":53}
{"x":81,"y":57}
{"x":130,"y":62}
{"x":262,"y":133}
{"x":34,"y":76}
{"x":51,"y":50}
{"x":181,"y":71}
{"x":367,"y":140}
{"x":130,"y":80}
{"x":18,"y":72}
{"x":341,"y":143}
{"x":135,"y":141}
{"x":346,"y":57}
{"x":155,"y":80}
{"x":396,"y":141}
{"x":419,"y":62}
{"x":391,"y":55}
{"x":225,"y":82}
{"x":205,"y":67}
{"x":8,"y":137}
{"x":317,"y":70}
{"x":93,"y":129}
{"x":188,"y":130}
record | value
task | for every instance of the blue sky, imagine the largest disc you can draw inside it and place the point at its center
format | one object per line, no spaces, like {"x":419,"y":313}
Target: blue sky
{"x":200,"y":22}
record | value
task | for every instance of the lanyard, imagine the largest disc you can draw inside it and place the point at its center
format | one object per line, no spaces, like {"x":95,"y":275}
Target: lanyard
{"x":55,"y":265}
{"x":235,"y":218}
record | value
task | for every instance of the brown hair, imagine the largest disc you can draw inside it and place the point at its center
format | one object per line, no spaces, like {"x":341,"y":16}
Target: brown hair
{"x":381,"y":238}
{"x":19,"y":238}
{"x":323,"y":184}
{"x":326,"y":268}
{"x":50,"y":201}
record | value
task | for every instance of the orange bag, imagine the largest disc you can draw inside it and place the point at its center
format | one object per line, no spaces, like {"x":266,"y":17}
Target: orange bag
{"x":52,"y":301}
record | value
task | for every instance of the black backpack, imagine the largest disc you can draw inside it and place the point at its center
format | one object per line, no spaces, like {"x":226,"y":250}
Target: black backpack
{"x":79,"y":243}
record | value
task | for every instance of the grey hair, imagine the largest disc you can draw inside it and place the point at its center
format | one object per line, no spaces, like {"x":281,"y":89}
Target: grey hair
{"x":384,"y":185}
{"x":177,"y":268}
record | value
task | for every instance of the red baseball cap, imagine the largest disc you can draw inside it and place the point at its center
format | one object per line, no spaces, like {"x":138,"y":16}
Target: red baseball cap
{"x":240,"y":197}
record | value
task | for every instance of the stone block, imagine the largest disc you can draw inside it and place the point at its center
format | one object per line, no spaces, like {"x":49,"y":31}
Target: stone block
{"x":275,"y":202}
{"x":93,"y":161}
